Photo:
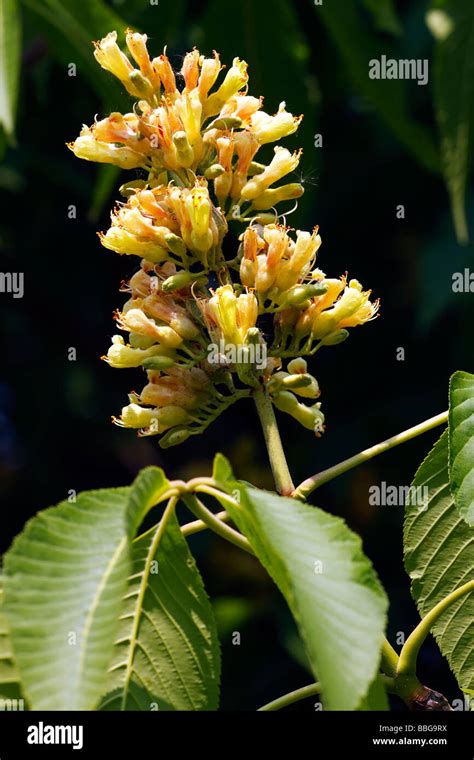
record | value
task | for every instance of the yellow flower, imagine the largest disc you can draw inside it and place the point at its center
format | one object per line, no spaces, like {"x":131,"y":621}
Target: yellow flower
{"x":235,"y":79}
{"x":121,"y":356}
{"x":282,"y":163}
{"x":233,"y":315}
{"x":87,"y":147}
{"x":268,"y":128}
{"x":353,"y":308}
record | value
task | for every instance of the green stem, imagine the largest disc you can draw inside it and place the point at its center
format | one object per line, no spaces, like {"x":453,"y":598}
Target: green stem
{"x":281,"y":474}
{"x":196,"y":526}
{"x":310,"y":484}
{"x":291,"y":697}
{"x":213,"y":522}
{"x":389,"y":661}
{"x":411,"y":648}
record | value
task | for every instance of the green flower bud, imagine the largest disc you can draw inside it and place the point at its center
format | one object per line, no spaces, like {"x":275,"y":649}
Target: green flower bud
{"x":184,"y":151}
{"x":336,"y":337}
{"x":174,"y":437}
{"x":297,"y":295}
{"x":175,"y":244}
{"x":141,"y":84}
{"x":292,"y":382}
{"x":214,"y":171}
{"x":255,"y":168}
{"x":158,"y":363}
{"x":176,"y":282}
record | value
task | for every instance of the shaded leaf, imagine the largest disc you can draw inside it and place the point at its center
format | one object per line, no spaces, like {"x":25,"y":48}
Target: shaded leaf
{"x":452,"y":24}
{"x":357,"y":46}
{"x":10,"y":55}
{"x":439,"y":558}
{"x":461,"y":443}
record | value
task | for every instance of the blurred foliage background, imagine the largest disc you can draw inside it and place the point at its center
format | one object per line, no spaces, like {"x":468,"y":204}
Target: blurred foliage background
{"x":384,"y":144}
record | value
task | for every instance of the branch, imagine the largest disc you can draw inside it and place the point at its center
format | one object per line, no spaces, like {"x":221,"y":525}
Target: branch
{"x":310,"y":484}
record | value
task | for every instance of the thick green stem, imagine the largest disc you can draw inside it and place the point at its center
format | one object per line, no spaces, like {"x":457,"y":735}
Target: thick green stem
{"x":281,"y":474}
{"x":310,"y":484}
{"x":411,"y":648}
{"x":291,"y":697}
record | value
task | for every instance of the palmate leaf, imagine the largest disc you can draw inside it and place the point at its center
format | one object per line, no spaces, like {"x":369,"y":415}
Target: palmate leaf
{"x":328,"y":583}
{"x":461,"y":443}
{"x":167,"y":652}
{"x":439,"y":558}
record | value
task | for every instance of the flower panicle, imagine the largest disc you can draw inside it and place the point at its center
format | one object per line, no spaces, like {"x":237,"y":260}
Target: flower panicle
{"x":205,"y":329}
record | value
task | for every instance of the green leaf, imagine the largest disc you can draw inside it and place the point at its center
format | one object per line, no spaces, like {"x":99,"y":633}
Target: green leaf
{"x":64,"y":578}
{"x":70,"y":27}
{"x":452,"y":24}
{"x":376,"y":698}
{"x":439,"y":558}
{"x":329,"y":584}
{"x":10,"y":688}
{"x":221,"y":470}
{"x":461,"y":443}
{"x":385,"y":15}
{"x":10,"y":55}
{"x":357,"y":45}
{"x":167,"y":652}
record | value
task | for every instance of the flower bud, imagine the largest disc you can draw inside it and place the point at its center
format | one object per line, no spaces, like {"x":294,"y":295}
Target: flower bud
{"x":275,"y":195}
{"x":177,"y":282}
{"x":300,"y":293}
{"x":214,"y":171}
{"x":121,"y":356}
{"x":184,"y":151}
{"x":297,"y":366}
{"x":158,"y":363}
{"x":334,"y":338}
{"x":282,"y":163}
{"x":174,"y":437}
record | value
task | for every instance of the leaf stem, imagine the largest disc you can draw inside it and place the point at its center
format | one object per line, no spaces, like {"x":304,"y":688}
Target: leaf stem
{"x":291,"y":697}
{"x":281,"y":474}
{"x":411,"y":648}
{"x":214,"y":523}
{"x":310,"y":484}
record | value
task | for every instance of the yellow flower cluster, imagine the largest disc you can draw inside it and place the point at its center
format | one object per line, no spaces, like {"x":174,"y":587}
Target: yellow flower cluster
{"x":192,"y":315}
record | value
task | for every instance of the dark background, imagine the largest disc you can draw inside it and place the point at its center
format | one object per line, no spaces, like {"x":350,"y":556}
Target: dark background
{"x":55,"y":431}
